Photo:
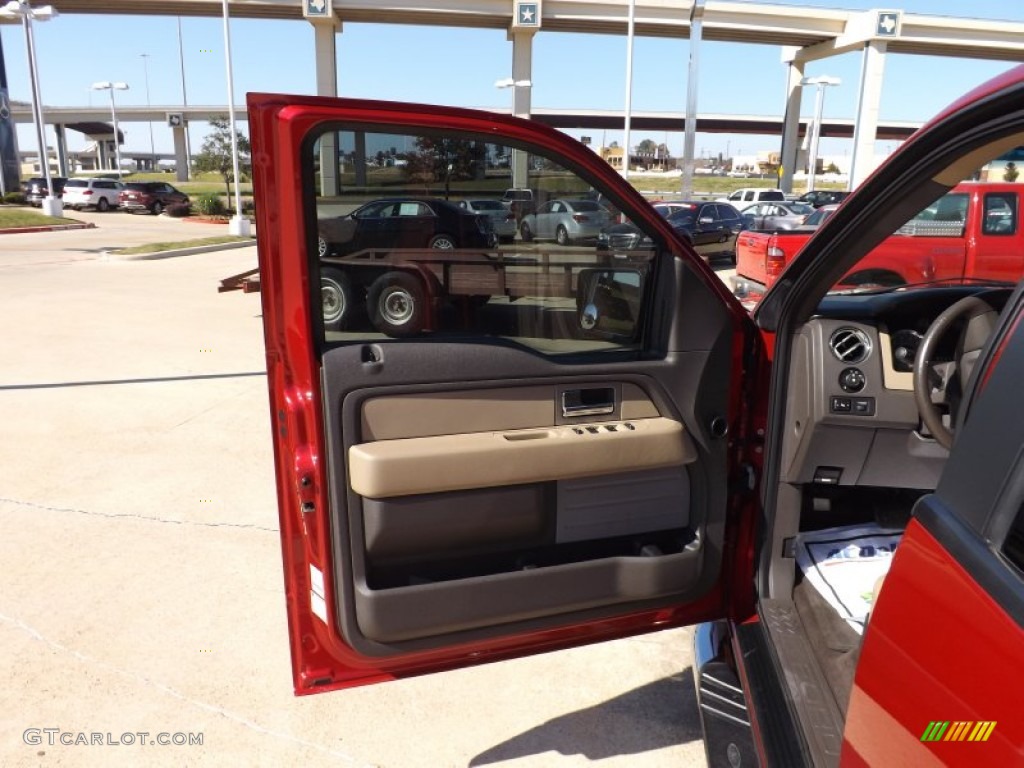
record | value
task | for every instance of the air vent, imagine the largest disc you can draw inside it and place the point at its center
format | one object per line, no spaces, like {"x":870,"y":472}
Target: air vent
{"x":850,"y":345}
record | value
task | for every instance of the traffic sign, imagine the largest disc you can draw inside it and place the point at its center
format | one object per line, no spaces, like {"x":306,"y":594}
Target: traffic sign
{"x":317,"y":9}
{"x":528,"y":14}
{"x":175,"y":119}
{"x":887,"y":23}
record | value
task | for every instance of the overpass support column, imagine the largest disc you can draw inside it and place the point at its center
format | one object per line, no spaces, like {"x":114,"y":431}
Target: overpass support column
{"x":865,"y":129}
{"x":324,"y":37}
{"x":180,"y":151}
{"x":62,"y":150}
{"x":522,"y":84}
{"x":791,"y":126}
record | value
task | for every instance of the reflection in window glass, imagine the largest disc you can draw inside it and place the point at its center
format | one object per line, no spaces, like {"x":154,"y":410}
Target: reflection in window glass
{"x":943,"y":218}
{"x":452,"y":236}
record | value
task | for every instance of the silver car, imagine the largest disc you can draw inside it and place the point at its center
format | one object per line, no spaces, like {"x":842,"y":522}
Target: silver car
{"x":776,"y":215}
{"x":503,"y":220}
{"x":565,"y":221}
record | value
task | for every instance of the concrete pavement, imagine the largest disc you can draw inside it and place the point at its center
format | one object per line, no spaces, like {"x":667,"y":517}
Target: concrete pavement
{"x":141,"y":586}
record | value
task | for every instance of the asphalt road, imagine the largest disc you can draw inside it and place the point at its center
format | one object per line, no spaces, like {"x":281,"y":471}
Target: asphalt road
{"x":141,"y":586}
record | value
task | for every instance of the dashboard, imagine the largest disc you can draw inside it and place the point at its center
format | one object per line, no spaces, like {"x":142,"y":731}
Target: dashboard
{"x":851,"y":414}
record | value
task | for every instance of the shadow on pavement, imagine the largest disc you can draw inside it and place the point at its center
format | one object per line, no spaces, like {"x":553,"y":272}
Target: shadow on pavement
{"x":655,"y":716}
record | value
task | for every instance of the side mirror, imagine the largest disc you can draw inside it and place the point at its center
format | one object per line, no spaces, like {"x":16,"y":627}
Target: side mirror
{"x":608,"y":302}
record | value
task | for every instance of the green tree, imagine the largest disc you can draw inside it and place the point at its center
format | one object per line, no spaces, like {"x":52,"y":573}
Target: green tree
{"x":1011,"y":173}
{"x":447,"y":160}
{"x":648,"y":146}
{"x":832,"y":168}
{"x":215,"y":154}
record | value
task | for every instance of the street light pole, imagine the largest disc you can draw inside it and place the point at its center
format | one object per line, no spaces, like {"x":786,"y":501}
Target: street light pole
{"x":519,"y":170}
{"x":238,"y":225}
{"x":822,"y":83}
{"x":109,"y":86}
{"x":145,"y":74}
{"x":693,"y":76}
{"x":51,"y":205}
{"x":184,"y":103}
{"x":629,"y":87}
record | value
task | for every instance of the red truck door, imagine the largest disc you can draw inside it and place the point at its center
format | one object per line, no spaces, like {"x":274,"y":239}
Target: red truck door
{"x":962,"y":561}
{"x":549,"y":465}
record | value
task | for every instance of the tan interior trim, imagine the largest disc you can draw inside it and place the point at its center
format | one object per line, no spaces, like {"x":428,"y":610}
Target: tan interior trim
{"x":636,"y":404}
{"x":443,"y":413}
{"x":892,"y":378}
{"x":966,"y":165}
{"x":479,"y":410}
{"x":487,"y":459}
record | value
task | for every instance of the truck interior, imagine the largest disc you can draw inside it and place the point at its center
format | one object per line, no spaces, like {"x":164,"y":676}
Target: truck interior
{"x":879,"y":382}
{"x":538,"y":447}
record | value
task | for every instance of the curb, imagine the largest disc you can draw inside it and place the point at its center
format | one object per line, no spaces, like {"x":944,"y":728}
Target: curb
{"x":48,"y":228}
{"x":179,"y":251}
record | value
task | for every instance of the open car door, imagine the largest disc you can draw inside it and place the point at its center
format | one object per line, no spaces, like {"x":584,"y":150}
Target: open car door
{"x":484,"y":451}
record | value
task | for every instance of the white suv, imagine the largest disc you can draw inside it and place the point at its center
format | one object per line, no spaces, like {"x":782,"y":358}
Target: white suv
{"x":100,"y":194}
{"x":747,"y":196}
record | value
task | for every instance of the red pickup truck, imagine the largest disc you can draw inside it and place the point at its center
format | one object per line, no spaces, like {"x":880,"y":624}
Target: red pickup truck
{"x":967,"y":233}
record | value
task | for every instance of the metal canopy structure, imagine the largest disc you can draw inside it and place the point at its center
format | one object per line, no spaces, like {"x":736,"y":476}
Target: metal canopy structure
{"x":804,"y":35}
{"x":736,"y":22}
{"x":72,"y":117}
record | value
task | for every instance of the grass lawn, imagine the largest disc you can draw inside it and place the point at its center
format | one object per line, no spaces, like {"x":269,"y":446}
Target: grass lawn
{"x":173,"y":246}
{"x":16,"y":218}
{"x":714,"y":185}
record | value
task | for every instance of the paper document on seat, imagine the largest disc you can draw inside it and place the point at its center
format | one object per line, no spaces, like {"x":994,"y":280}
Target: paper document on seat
{"x":844,"y":564}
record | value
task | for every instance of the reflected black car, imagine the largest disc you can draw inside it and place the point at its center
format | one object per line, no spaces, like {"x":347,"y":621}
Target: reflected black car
{"x":404,"y":223}
{"x":710,"y":227}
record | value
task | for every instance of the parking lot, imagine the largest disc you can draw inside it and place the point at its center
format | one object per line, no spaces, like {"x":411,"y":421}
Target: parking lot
{"x":142,"y":589}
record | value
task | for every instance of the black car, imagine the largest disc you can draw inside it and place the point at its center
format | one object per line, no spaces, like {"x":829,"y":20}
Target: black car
{"x":820,"y":197}
{"x":710,"y":227}
{"x":35,"y":189}
{"x":404,"y":222}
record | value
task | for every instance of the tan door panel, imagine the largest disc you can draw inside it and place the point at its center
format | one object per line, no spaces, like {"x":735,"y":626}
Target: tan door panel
{"x":480,"y":410}
{"x":486,"y":459}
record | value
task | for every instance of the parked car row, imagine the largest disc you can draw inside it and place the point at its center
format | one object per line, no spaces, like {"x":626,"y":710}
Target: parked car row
{"x":712,"y":227}
{"x":104,"y":194}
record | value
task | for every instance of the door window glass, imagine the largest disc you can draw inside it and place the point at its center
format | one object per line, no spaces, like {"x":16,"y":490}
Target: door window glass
{"x":575,"y":282}
{"x":1000,"y":214}
{"x":1013,"y":546}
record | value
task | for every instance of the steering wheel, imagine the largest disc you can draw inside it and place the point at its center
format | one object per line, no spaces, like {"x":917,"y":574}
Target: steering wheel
{"x":945,"y":382}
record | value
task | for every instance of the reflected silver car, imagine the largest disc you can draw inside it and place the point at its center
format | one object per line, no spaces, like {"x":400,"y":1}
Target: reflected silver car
{"x":565,"y":221}
{"x":503,"y":219}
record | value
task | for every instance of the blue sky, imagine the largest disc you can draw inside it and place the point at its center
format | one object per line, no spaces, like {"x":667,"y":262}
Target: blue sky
{"x":459,"y":66}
